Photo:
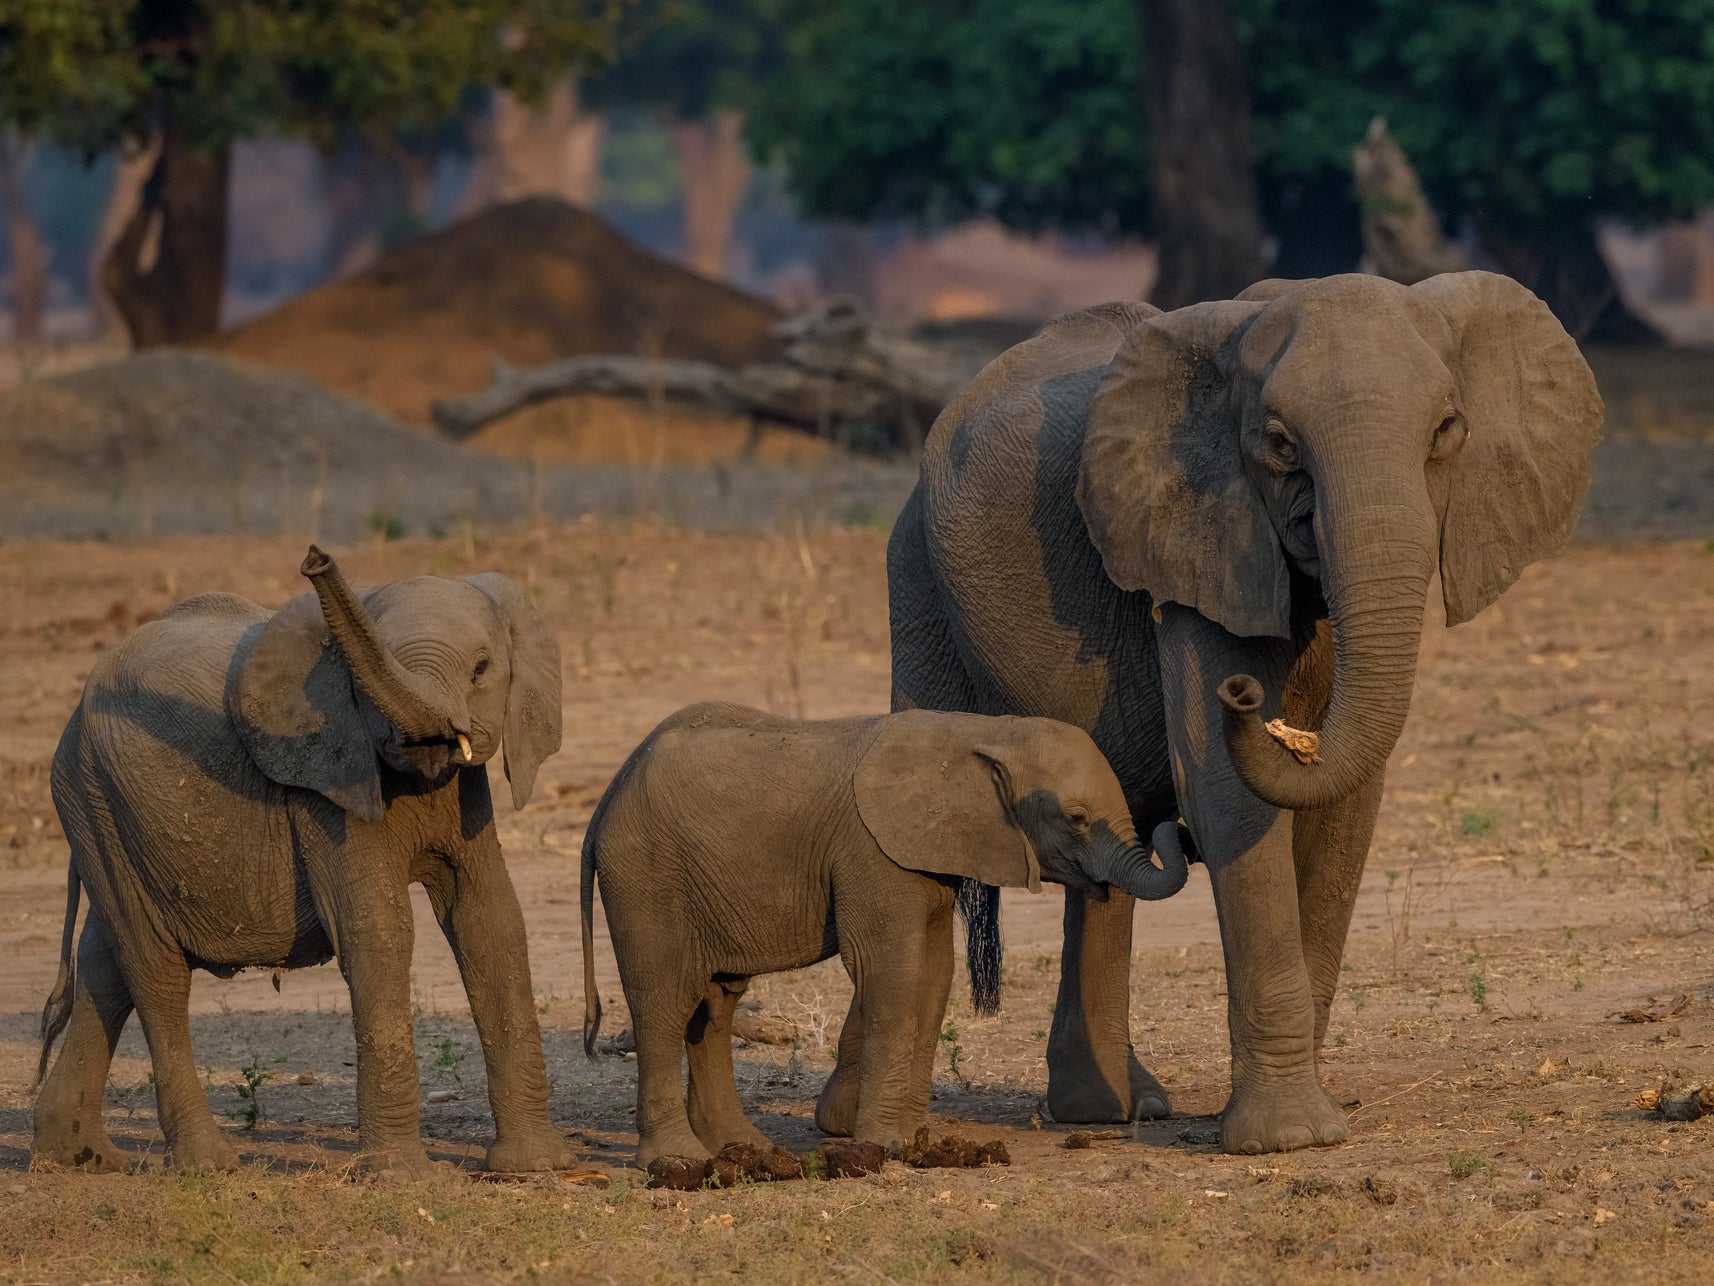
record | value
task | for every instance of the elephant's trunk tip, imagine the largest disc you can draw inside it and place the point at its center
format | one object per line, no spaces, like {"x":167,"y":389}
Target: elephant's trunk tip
{"x":315,"y":563}
{"x":1240,"y":694}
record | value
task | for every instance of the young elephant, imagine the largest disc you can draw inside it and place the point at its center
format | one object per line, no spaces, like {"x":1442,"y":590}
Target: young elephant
{"x":243,"y":788}
{"x":734,"y":843}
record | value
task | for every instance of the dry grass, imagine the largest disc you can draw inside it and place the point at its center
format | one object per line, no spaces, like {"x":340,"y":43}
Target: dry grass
{"x":1543,"y":861}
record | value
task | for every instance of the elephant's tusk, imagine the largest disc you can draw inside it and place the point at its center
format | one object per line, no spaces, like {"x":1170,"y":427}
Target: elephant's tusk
{"x":1304,"y":746}
{"x":464,"y":746}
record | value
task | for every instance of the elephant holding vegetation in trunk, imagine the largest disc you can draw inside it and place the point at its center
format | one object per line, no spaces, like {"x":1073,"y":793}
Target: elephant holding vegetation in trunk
{"x":734,"y":843}
{"x":1199,"y":535}
{"x":242,"y":787}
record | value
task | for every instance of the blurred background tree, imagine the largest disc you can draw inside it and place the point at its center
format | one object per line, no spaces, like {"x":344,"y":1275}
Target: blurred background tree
{"x":699,"y":65}
{"x":186,"y":79}
{"x":1530,"y":123}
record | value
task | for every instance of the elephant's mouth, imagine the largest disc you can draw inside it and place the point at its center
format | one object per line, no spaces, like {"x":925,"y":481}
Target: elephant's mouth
{"x":433,"y":758}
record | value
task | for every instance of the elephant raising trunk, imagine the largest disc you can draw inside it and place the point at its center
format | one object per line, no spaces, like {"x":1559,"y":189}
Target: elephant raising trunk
{"x":404,"y":699}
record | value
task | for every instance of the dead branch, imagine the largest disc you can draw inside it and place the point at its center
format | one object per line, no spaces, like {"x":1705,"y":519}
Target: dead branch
{"x":834,"y":370}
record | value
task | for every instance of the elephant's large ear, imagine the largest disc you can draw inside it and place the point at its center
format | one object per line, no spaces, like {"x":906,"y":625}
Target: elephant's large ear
{"x":1533,"y":415}
{"x":532,"y":728}
{"x":936,"y":800}
{"x":291,"y":698}
{"x":1162,"y":484}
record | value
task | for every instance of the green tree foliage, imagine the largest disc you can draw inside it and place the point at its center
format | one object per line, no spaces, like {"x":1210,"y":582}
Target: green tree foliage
{"x":1532,"y":118}
{"x":1023,"y":109}
{"x":1524,"y":114}
{"x":100,"y":72}
{"x":196,"y":75}
{"x":688,"y":58}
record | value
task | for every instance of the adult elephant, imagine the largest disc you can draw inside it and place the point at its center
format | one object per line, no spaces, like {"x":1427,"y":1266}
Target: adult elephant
{"x":1173,"y":528}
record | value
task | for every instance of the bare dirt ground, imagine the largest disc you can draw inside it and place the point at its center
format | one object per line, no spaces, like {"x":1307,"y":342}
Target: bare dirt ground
{"x":1544,"y":862}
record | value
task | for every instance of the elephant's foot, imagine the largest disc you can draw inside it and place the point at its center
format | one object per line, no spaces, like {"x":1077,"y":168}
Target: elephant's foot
{"x":1282,"y":1116}
{"x":675,"y":1141}
{"x":75,"y":1145}
{"x":1082,"y":1095}
{"x":202,"y":1147}
{"x":836,"y":1109}
{"x":399,"y":1161}
{"x":1149,"y":1099}
{"x":542,"y":1149}
{"x":718,"y":1129}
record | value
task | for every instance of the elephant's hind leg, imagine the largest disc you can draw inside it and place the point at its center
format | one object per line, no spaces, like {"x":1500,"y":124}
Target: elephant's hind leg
{"x":716,"y":1115}
{"x":159,"y":980}
{"x":68,"y":1127}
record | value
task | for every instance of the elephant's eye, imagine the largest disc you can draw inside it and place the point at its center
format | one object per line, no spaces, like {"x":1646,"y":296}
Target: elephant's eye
{"x":1281,"y":450}
{"x":1079,"y":818}
{"x":480,"y":670}
{"x":1449,"y":435}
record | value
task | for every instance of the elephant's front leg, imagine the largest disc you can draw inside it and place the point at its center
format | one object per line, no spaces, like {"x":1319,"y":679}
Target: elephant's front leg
{"x":375,"y":937}
{"x":1329,"y":848}
{"x":1277,"y":1102}
{"x":479,"y":914}
{"x":1092,"y":1072}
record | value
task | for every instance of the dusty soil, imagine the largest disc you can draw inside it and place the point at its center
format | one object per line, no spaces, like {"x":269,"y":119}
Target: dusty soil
{"x":525,"y":282}
{"x":164,"y":443}
{"x":1544,"y":861}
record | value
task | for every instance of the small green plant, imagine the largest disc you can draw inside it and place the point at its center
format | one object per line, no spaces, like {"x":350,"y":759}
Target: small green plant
{"x":450,"y":1057}
{"x":954,"y":1051}
{"x":1577,"y":983}
{"x":1359,"y":998}
{"x":386,"y":525}
{"x":1522,"y":1119}
{"x":251,"y":1111}
{"x":1478,"y":823}
{"x":1478,"y":988}
{"x":1465,"y":1164}
{"x":1040,"y":1033}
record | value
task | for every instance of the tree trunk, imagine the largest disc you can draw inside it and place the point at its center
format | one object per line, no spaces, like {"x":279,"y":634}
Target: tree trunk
{"x":1207,"y":217}
{"x":1402,"y":239}
{"x":1565,"y":268}
{"x":550,"y":150}
{"x":716,"y":178}
{"x":130,"y":172}
{"x":29,"y":250}
{"x":175,"y":299}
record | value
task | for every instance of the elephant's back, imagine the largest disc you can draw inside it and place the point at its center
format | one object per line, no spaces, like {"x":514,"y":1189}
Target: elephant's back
{"x":1001,"y":525}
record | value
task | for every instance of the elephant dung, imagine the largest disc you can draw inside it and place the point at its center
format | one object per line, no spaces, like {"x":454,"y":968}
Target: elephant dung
{"x":951,"y":1151}
{"x":848,"y":1160}
{"x":746,"y":1163}
{"x":734,"y":1164}
{"x":1672,"y":1102}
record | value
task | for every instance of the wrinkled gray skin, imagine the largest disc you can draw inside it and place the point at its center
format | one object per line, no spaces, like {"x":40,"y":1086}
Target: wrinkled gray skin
{"x":734,"y":843}
{"x":243,"y":788}
{"x":1169,"y":528}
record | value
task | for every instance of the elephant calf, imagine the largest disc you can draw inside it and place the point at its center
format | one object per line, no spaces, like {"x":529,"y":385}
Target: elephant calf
{"x":733,"y":843}
{"x":242,"y":787}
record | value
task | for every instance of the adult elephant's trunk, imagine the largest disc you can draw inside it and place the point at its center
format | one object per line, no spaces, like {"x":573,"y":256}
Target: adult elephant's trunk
{"x":404,"y":699}
{"x":1375,"y":575}
{"x":1128,"y":865}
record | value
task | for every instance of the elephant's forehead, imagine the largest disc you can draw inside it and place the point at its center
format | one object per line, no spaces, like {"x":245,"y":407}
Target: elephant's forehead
{"x":1324,"y":349}
{"x":451,"y":609}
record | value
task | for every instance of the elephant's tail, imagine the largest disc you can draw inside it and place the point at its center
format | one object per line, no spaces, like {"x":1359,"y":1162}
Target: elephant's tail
{"x":57,"y":1012}
{"x":980,"y":905}
{"x":586,"y":896}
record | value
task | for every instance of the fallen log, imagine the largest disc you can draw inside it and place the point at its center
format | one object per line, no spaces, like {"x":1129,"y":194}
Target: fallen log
{"x":836,"y":377}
